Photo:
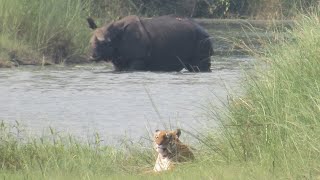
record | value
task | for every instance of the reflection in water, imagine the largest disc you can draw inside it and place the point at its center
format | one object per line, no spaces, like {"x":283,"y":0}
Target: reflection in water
{"x":85,"y":99}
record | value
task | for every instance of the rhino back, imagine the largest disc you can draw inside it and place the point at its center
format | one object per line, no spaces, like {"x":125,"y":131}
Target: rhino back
{"x":171,"y":37}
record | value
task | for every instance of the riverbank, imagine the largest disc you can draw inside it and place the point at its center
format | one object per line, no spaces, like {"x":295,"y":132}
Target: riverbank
{"x":226,"y":35}
{"x":56,"y":31}
{"x":272,"y":132}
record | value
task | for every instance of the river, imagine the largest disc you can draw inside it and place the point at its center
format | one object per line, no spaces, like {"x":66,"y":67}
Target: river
{"x":82,"y":100}
{"x":87,"y":99}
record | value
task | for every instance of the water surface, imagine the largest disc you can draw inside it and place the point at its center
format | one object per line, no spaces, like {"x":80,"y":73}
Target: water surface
{"x":81,"y":100}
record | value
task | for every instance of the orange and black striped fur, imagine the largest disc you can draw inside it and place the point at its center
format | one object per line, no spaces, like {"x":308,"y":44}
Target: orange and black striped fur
{"x":170,"y":150}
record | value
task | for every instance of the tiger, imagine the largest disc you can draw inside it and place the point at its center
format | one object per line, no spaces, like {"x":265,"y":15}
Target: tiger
{"x":170,"y":150}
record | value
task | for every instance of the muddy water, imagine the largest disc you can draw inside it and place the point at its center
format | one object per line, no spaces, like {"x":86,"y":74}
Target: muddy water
{"x":82,"y":100}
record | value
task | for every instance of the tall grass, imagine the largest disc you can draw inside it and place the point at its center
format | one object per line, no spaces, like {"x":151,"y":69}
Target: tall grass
{"x":54,"y":29}
{"x":277,"y":124}
{"x":54,"y":155}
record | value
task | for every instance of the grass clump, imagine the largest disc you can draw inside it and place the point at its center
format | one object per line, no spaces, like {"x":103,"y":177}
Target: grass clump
{"x":55,"y":30}
{"x":277,"y":124}
{"x":56,"y":155}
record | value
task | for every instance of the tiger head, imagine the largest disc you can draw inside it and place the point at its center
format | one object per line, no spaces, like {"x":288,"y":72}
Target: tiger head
{"x":165,"y":140}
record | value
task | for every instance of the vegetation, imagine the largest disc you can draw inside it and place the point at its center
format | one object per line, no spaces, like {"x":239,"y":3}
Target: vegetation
{"x":265,"y":9}
{"x":57,"y":155}
{"x":276,"y":125}
{"x":54,"y":30}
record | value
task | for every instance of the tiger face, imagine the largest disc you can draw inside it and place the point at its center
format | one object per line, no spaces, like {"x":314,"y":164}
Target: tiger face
{"x":164,"y":140}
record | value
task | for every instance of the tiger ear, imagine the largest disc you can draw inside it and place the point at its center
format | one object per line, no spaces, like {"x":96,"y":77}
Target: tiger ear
{"x":178,"y":132}
{"x":157,"y":130}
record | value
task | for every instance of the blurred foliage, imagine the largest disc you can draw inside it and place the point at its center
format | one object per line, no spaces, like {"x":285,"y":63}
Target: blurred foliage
{"x":202,"y":8}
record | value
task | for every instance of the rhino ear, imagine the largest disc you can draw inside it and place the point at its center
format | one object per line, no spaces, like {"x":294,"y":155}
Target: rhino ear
{"x":91,"y":23}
